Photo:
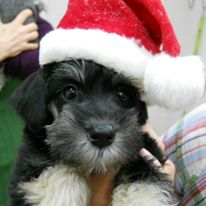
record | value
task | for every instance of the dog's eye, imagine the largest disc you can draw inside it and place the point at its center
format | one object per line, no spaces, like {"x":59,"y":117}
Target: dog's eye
{"x":122,"y":95}
{"x":126,"y":95}
{"x":70,"y":92}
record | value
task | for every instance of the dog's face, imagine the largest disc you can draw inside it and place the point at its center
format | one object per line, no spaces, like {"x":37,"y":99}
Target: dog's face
{"x":92,"y":114}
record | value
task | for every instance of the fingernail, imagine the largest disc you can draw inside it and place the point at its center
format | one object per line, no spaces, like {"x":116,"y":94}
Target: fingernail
{"x":29,"y":11}
{"x":150,"y":159}
{"x":145,"y":153}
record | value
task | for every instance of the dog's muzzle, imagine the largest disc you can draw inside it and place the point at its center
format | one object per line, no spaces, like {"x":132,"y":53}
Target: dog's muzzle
{"x":101,"y":135}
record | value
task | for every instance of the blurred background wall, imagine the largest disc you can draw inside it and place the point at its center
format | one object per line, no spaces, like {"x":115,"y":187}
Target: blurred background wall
{"x":185,"y":16}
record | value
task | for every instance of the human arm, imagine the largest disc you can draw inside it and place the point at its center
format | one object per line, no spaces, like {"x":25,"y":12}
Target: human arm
{"x":27,"y":62}
{"x":16,"y":37}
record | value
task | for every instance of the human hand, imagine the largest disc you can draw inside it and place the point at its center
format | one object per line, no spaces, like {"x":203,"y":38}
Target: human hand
{"x":169,"y":167}
{"x":101,"y":186}
{"x":15,"y":37}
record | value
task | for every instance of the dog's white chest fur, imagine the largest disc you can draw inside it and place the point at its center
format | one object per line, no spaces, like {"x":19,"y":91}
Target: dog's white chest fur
{"x":62,"y":186}
{"x":57,"y":186}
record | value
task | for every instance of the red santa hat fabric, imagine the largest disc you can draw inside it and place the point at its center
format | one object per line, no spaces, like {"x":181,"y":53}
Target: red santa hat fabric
{"x":134,"y":37}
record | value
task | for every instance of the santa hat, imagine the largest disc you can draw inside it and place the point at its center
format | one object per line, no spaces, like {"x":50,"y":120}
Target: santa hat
{"x":135,"y":38}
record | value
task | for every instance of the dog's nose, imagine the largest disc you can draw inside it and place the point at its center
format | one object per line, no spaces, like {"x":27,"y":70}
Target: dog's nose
{"x":102,"y":135}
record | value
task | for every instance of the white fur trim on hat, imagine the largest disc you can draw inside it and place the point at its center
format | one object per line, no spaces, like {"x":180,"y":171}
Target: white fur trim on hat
{"x":174,"y":82}
{"x":108,"y":49}
{"x":171,"y":82}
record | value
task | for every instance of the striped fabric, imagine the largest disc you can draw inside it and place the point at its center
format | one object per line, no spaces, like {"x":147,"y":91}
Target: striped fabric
{"x":186,"y":147}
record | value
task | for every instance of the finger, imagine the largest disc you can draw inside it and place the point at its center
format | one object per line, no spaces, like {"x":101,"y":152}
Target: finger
{"x":30,"y":46}
{"x":169,"y":166}
{"x":161,"y":144}
{"x":22,"y":16}
{"x":32,"y":36}
{"x":148,"y":129}
{"x":150,"y":159}
{"x":31,"y":27}
{"x":169,"y":169}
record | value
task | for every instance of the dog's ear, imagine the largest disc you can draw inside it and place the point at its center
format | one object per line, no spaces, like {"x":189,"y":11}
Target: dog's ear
{"x":142,"y":114}
{"x":30,"y":103}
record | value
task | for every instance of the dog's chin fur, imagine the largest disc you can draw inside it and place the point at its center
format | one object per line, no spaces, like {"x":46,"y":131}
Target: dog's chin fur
{"x":61,"y":105}
{"x":69,"y":142}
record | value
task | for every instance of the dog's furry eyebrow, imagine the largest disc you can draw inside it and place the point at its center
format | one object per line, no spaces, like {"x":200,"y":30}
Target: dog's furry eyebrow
{"x":73,"y":74}
{"x":121,"y":79}
{"x":68,"y":71}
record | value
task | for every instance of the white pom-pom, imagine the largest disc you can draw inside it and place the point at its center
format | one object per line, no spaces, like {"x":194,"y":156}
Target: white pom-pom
{"x":174,"y":82}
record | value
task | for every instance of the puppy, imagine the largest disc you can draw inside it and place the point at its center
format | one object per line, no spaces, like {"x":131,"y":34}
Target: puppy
{"x":83,"y":117}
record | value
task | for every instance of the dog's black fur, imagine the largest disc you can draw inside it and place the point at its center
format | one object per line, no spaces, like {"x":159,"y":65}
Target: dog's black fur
{"x":62,"y":104}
